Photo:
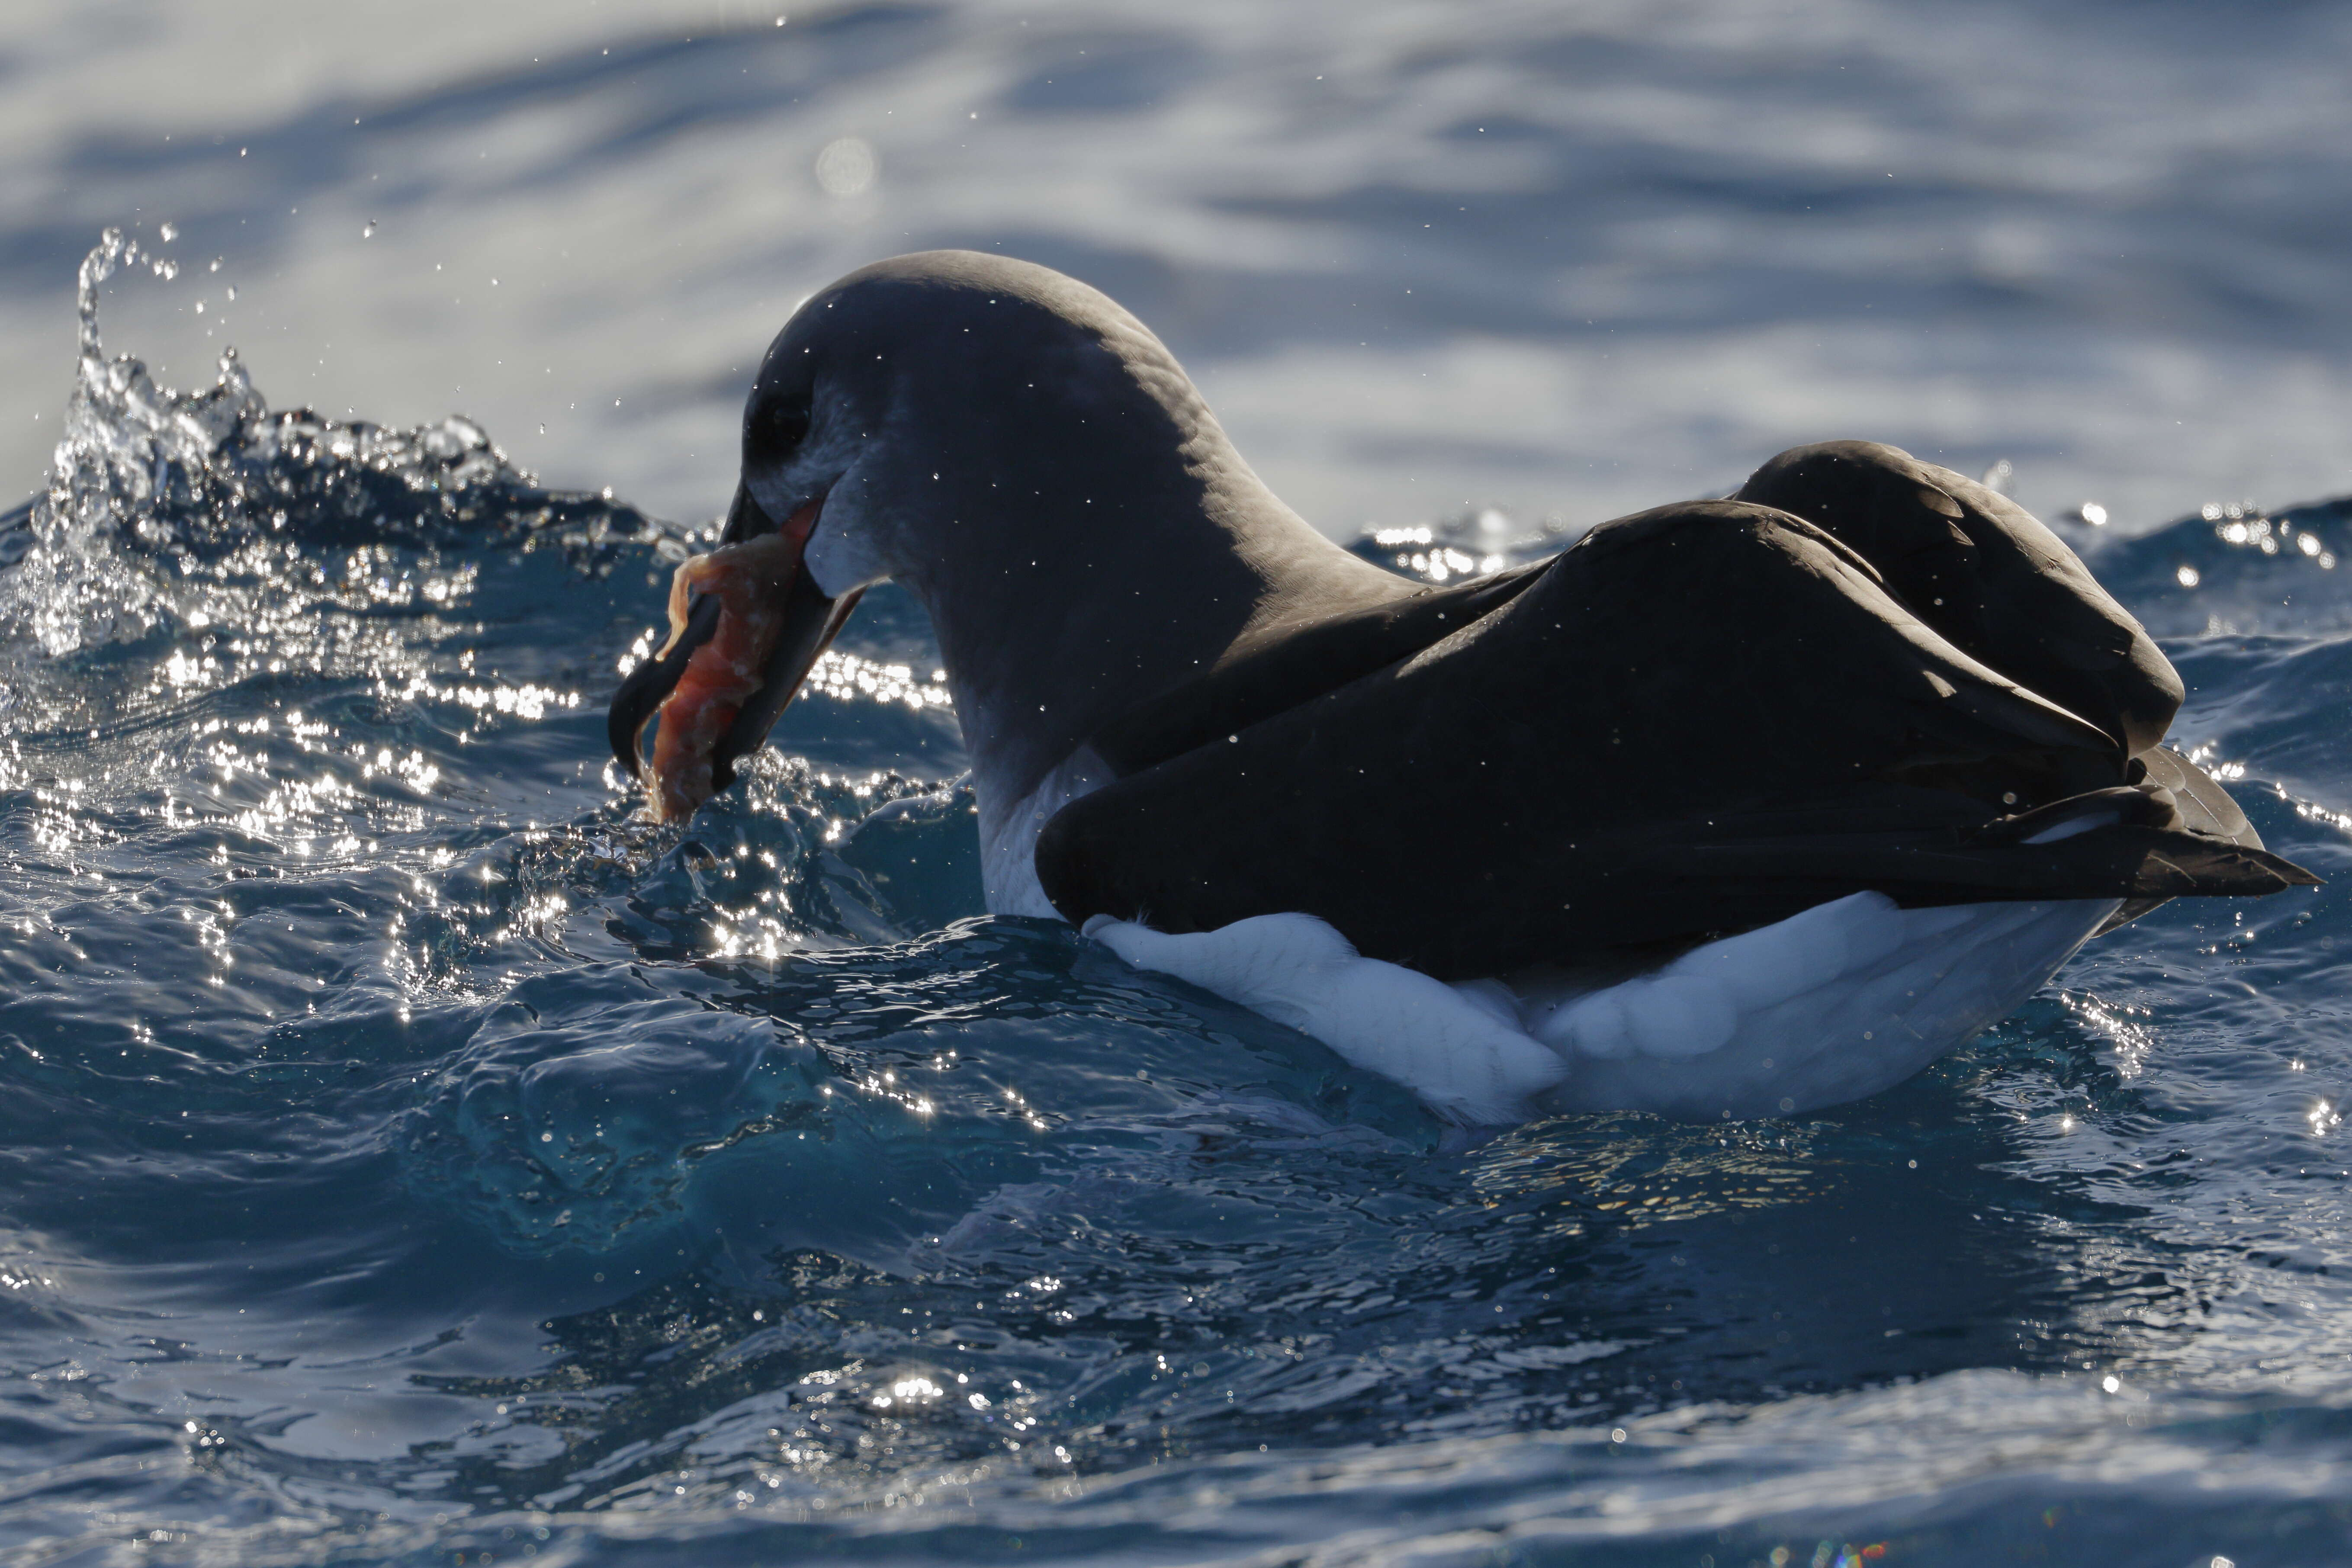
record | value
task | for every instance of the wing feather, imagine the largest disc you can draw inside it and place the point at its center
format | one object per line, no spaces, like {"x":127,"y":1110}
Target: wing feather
{"x":1698,"y":720}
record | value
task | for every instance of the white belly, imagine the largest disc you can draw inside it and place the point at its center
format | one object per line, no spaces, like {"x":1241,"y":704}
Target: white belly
{"x":1840,"y":1002}
{"x":1843,"y":1000}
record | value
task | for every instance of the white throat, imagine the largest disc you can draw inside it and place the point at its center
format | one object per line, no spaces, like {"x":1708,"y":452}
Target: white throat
{"x":1009,"y":825}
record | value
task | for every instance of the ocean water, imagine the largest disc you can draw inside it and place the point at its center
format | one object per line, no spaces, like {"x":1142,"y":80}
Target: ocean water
{"x":411,"y":1154}
{"x":411,"y":1157}
{"x":1566,"y":260}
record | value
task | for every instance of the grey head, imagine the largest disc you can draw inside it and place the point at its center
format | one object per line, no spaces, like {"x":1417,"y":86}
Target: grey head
{"x":1032,"y":463}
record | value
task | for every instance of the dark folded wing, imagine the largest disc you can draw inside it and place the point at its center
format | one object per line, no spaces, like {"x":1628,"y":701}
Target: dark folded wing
{"x":1985,"y":574}
{"x":1277,"y":669}
{"x":1699,"y":720}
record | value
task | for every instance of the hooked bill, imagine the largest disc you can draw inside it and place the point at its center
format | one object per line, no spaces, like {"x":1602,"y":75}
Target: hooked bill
{"x":747,"y":624}
{"x":750,"y":582}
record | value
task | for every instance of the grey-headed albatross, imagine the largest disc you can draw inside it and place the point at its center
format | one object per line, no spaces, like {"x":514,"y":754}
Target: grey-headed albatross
{"x":1753,"y":806}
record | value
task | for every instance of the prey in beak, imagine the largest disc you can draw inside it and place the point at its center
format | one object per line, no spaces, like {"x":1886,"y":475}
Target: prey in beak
{"x":747,"y":623}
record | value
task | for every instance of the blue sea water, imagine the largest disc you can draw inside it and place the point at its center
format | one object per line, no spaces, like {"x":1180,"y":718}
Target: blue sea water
{"x":410,"y":1156}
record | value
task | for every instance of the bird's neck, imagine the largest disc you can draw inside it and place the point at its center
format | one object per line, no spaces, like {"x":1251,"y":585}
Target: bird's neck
{"x":1058,"y":610}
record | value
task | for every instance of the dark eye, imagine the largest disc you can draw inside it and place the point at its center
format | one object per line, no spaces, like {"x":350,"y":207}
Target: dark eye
{"x":773,"y":432}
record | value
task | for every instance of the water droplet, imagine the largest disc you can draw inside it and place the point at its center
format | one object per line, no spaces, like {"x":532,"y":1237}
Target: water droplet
{"x":232,"y":290}
{"x":847,"y":167}
{"x":170,"y":231}
{"x":368,"y":231}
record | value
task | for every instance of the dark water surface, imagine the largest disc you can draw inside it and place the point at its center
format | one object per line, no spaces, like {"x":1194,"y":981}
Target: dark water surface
{"x":409,"y":1155}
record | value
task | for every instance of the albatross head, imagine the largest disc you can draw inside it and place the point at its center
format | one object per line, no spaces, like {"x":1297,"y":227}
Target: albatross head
{"x":1034,"y":464}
